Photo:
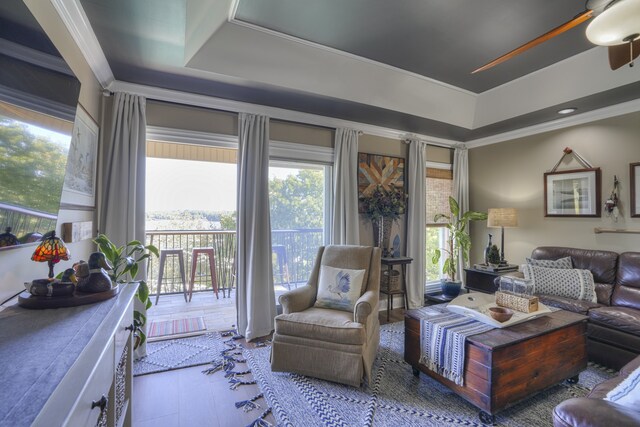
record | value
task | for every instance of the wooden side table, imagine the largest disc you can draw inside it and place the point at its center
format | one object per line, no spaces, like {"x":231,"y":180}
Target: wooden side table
{"x":483,"y":281}
{"x":390,"y":263}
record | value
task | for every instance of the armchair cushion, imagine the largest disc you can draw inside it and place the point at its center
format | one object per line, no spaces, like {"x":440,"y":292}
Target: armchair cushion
{"x":322,"y":325}
{"x":339,"y":288}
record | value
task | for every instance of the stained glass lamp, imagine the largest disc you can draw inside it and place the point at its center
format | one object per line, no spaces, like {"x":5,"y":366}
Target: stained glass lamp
{"x":52,"y":250}
{"x":8,"y":239}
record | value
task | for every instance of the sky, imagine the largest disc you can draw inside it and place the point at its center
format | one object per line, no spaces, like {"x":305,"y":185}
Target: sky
{"x":191,"y":185}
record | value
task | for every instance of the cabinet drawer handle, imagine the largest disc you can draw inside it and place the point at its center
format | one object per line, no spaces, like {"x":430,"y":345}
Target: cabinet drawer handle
{"x":130,"y":328}
{"x":102,"y":403}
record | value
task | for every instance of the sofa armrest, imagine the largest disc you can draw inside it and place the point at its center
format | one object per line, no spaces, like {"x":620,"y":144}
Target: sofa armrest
{"x":366,"y":304}
{"x":583,"y":412}
{"x":298,"y":299}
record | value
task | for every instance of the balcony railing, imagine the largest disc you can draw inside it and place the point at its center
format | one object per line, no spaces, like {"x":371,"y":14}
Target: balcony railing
{"x":292,"y":261}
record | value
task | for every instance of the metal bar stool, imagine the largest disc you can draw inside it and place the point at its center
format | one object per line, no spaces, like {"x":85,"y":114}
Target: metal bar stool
{"x":163,"y":257}
{"x":195,"y":253}
{"x":283,"y":267}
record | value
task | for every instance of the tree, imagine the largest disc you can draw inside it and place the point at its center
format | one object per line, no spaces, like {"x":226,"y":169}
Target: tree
{"x":228,"y":221}
{"x":30,"y":167}
{"x":297,"y":201}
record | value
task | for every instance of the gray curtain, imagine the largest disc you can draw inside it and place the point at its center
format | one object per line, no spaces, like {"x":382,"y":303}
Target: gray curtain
{"x":416,"y":221}
{"x":121,"y":214}
{"x":461,"y":189}
{"x":345,"y":223}
{"x":255,"y":297}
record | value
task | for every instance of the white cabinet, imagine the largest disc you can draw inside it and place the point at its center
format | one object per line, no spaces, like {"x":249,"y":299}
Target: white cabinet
{"x":96,"y":390}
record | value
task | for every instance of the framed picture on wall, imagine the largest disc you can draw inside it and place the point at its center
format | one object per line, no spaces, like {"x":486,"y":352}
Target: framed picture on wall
{"x":634,"y":180}
{"x":374,"y":170}
{"x":80,"y":177}
{"x":572,"y":193}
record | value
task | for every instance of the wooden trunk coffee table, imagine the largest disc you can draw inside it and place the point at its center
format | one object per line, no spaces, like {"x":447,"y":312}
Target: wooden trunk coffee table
{"x":505,"y":366}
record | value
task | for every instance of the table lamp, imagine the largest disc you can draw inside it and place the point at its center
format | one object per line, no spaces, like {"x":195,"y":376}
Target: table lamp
{"x":52,"y":250}
{"x":501,"y":218}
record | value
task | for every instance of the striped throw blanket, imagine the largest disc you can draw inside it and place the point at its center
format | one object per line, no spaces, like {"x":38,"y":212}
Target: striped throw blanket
{"x":442,"y":338}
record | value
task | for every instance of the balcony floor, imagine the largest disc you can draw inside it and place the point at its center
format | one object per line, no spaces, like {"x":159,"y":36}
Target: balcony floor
{"x":219,"y":314}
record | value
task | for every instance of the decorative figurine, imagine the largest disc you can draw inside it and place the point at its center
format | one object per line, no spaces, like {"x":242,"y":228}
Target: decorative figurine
{"x":97,"y":280}
{"x":53,"y":288}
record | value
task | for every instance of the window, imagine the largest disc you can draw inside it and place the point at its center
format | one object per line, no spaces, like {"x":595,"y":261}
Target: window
{"x":439,"y":183}
{"x":298,"y":203}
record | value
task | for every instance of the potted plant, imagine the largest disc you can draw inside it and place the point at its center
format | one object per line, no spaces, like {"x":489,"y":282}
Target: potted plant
{"x":125,"y":261}
{"x":458,"y":243}
{"x":493,"y":257}
{"x":382,"y":207}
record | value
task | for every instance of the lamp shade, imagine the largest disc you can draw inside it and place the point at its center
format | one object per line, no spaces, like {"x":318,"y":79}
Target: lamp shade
{"x":618,"y":22}
{"x":51,"y":250}
{"x":502,"y":217}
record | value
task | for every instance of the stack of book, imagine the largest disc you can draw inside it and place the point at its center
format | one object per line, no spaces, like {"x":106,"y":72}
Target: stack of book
{"x":500,"y":268}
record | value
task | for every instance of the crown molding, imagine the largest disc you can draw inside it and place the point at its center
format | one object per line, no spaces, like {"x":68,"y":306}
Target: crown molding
{"x":35,"y":57}
{"x":77,"y":22}
{"x":185,"y":98}
{"x":184,"y":136}
{"x":578,"y":119}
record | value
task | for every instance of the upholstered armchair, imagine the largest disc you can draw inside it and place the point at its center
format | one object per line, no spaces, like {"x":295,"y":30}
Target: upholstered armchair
{"x":327,"y":343}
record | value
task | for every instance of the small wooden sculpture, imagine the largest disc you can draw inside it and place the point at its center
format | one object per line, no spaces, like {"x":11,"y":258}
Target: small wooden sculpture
{"x":97,"y":280}
{"x":54,"y":288}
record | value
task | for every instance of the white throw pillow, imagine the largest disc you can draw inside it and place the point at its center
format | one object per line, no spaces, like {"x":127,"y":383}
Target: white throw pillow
{"x":569,"y":283}
{"x":627,"y":393}
{"x":339,"y":288}
{"x":551,"y":263}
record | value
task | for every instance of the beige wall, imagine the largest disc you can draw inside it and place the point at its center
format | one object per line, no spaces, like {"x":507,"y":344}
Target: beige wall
{"x":510,"y":174}
{"x":15,"y":264}
{"x":180,"y":116}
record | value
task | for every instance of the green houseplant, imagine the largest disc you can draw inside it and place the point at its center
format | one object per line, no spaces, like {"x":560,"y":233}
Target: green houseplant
{"x":458,"y":243}
{"x":493,"y":257}
{"x":382,"y":207}
{"x":126,"y":261}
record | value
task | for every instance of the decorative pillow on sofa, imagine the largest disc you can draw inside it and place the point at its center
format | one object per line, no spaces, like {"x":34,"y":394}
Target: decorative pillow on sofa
{"x":339,"y":288}
{"x":551,"y":263}
{"x":627,"y":393}
{"x":562,"y":282}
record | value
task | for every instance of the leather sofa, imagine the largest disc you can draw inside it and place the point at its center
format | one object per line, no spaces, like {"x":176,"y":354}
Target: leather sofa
{"x":613,"y":329}
{"x":593,"y":411}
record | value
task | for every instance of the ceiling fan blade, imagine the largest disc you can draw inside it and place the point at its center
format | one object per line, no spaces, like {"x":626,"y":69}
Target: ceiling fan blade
{"x":579,"y":19}
{"x":620,"y":54}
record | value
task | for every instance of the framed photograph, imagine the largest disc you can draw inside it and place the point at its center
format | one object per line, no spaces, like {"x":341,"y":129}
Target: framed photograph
{"x":374,"y":170}
{"x":80,"y":177}
{"x":634,"y":180}
{"x":572,"y":193}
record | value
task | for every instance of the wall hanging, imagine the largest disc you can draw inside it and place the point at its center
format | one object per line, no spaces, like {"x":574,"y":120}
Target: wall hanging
{"x":572,"y":193}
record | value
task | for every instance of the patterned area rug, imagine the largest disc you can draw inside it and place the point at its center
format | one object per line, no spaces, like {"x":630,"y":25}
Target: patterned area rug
{"x":174,"y":327}
{"x":179,"y":353}
{"x":396,"y":398}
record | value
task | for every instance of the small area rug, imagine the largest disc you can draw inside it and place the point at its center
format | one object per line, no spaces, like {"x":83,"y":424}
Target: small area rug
{"x":176,"y":327}
{"x":179,"y":353}
{"x":396,"y":397}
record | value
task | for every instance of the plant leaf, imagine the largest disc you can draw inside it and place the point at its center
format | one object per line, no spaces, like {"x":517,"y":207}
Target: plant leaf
{"x":454,"y":207}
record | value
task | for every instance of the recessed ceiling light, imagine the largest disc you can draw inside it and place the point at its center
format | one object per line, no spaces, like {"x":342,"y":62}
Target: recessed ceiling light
{"x":567,"y":110}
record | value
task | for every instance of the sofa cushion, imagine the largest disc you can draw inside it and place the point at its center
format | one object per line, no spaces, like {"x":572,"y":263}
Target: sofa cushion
{"x":569,"y":283}
{"x":629,"y":269}
{"x":602,"y":264}
{"x":627,"y":393}
{"x":626,"y":296}
{"x":621,"y":318}
{"x":323,"y":325}
{"x":569,"y":304}
{"x":339,"y":288}
{"x":551,"y":263}
{"x":604,"y":292}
